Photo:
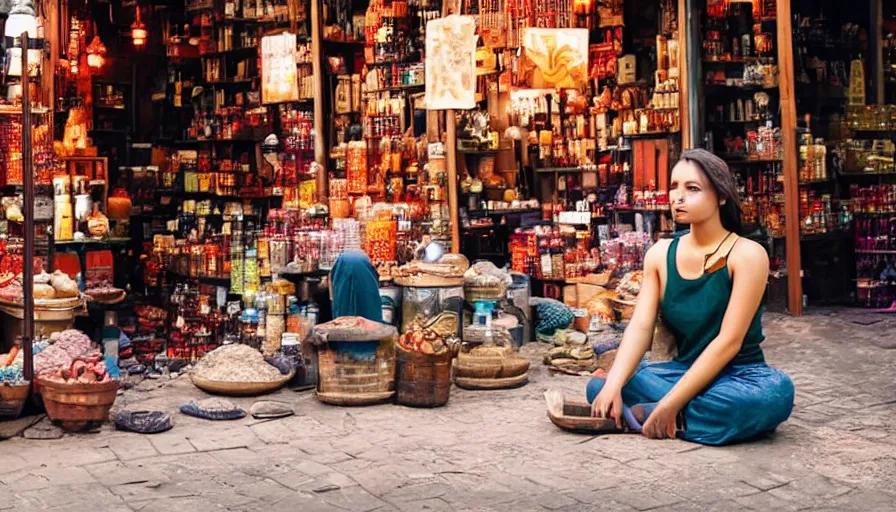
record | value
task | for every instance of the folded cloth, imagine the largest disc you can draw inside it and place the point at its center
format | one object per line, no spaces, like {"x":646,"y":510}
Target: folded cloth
{"x":270,"y":409}
{"x":214,"y":409}
{"x":143,"y":422}
{"x":569,"y":337}
{"x":280,"y":362}
{"x":552,"y":315}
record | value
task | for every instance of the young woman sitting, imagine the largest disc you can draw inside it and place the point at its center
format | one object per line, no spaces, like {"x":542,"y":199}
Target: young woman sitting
{"x":707,"y":283}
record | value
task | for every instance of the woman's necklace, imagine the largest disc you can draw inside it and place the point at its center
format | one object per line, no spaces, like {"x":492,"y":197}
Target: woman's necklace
{"x":722,"y":260}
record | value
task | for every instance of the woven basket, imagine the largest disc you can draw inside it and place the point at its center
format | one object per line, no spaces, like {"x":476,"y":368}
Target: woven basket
{"x":484,"y":293}
{"x":341,"y":373}
{"x":509,"y":364}
{"x":625,"y":308}
{"x":78,"y":407}
{"x":12,"y":400}
{"x":487,"y":384}
{"x":423,"y":380}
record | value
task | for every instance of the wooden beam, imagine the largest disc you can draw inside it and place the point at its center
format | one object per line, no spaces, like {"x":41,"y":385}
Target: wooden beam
{"x":791,"y":178}
{"x":451,"y":163}
{"x":687,"y":141}
{"x":317,"y":80}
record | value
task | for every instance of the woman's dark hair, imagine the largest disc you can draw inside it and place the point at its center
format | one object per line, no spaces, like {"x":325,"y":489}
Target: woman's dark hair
{"x":719,"y":175}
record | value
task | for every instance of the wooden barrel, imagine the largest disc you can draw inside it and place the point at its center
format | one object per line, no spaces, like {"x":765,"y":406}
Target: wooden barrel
{"x":423,"y":380}
{"x":78,"y":406}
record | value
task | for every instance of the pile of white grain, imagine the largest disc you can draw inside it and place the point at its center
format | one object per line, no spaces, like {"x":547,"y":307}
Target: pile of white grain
{"x":236,"y":363}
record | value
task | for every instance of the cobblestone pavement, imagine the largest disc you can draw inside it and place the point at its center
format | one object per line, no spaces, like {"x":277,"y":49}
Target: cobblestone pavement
{"x":491,"y":450}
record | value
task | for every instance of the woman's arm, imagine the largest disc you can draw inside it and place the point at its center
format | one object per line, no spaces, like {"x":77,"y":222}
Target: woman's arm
{"x":639,"y":334}
{"x":749,"y":269}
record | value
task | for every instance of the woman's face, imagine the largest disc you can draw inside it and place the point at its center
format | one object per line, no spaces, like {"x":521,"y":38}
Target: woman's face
{"x":691,"y":195}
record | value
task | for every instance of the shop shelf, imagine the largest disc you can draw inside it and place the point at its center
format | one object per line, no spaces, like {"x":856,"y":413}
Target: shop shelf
{"x":863,"y":251}
{"x":739,"y":160}
{"x":561,"y":170}
{"x":817,"y":182}
{"x":483,"y":152}
{"x":875,"y":134}
{"x":215,"y":281}
{"x":299,"y":275}
{"x":396,"y":88}
{"x":651,"y":135}
{"x":518,"y":211}
{"x":232,"y":51}
{"x":90,"y":241}
{"x":337,"y":42}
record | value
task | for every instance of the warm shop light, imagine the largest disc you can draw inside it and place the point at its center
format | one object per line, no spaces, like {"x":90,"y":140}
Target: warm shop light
{"x":138,"y":31}
{"x":96,"y":53}
{"x":582,"y":6}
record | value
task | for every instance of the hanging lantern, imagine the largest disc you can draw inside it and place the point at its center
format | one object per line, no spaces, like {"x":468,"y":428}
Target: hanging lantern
{"x":96,"y":53}
{"x":22,"y":18}
{"x":138,"y":31}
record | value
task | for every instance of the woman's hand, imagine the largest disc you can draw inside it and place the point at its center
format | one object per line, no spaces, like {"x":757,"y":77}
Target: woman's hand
{"x":661,"y":422}
{"x":608,"y":401}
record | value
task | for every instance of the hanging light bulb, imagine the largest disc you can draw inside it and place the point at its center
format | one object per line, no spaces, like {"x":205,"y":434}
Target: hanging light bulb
{"x":22,"y":18}
{"x":138,"y":30}
{"x":96,"y":53}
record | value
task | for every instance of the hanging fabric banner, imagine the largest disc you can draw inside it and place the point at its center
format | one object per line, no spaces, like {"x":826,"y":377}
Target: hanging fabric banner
{"x":279,"y":81}
{"x":451,"y":63}
{"x":554,"y":57}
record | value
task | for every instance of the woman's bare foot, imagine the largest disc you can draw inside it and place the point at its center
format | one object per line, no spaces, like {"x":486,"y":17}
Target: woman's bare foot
{"x":641,"y":412}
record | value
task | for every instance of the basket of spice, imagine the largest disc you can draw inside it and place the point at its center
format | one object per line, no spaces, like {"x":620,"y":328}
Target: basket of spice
{"x":14,"y":389}
{"x":356,"y":361}
{"x":75,"y":404}
{"x":424,"y":368}
{"x":73,"y":381}
{"x":237,"y":370}
{"x":485,"y":282}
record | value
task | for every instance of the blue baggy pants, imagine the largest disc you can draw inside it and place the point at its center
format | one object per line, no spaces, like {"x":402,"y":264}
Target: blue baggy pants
{"x":743,"y":401}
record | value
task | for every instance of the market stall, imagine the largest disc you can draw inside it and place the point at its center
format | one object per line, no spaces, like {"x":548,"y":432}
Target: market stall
{"x":178,"y":182}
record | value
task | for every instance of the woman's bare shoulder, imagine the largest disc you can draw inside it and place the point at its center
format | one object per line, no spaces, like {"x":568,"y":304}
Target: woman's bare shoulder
{"x":656,"y":255}
{"x":749,"y":255}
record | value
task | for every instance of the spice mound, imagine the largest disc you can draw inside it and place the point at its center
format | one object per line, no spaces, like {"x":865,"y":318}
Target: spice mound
{"x":236,"y":363}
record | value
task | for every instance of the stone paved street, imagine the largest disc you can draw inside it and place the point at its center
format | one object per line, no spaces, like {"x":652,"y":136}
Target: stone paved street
{"x":491,"y":450}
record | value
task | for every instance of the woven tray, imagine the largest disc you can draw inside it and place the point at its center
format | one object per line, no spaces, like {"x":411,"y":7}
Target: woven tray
{"x":487,"y":384}
{"x":67,"y":303}
{"x":511,"y":365}
{"x":574,"y":415}
{"x":347,"y":399}
{"x":428,"y":281}
{"x":217,"y":387}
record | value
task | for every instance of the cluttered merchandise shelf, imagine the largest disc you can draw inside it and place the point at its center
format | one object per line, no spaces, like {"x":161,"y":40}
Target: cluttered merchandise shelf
{"x":182,"y":183}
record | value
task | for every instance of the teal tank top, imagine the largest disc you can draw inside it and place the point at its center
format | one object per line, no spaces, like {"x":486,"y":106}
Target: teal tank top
{"x":693,"y":309}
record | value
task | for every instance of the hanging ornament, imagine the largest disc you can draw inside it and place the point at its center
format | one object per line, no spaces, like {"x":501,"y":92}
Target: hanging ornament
{"x":96,"y":53}
{"x":138,"y":31}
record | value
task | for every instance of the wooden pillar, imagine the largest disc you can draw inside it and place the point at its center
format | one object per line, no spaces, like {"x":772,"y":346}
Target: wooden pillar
{"x":691,"y":72}
{"x":791,"y":178}
{"x":684,"y":85}
{"x":877,"y":51}
{"x":317,"y":70}
{"x":451,"y":163}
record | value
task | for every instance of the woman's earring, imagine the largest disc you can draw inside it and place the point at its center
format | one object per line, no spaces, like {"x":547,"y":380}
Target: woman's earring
{"x":722,"y":202}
